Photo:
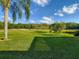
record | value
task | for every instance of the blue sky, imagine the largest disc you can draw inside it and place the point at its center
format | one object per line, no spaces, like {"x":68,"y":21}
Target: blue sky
{"x":50,"y":11}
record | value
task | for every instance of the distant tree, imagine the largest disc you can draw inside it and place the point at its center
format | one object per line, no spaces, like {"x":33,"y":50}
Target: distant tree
{"x":50,"y":28}
{"x":72,"y":26}
{"x":58,"y":27}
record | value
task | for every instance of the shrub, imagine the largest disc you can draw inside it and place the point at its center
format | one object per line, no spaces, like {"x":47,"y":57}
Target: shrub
{"x":58,"y":27}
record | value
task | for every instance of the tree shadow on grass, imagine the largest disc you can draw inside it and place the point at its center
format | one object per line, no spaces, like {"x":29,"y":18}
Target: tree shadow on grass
{"x":47,"y":48}
{"x":41,"y":32}
{"x":56,"y":47}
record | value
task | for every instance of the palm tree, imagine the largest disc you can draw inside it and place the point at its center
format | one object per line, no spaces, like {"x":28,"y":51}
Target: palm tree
{"x":16,"y":7}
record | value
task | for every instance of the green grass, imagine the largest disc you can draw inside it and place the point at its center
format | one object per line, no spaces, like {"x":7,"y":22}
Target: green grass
{"x":56,"y":48}
{"x":39,"y":44}
{"x":19,"y":40}
{"x":48,"y":34}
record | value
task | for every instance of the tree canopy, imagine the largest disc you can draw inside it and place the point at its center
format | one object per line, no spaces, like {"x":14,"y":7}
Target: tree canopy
{"x":16,"y":7}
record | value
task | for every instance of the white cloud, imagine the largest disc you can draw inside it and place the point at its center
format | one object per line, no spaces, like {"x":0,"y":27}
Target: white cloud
{"x":32,"y":21}
{"x":68,"y":10}
{"x":71,"y":9}
{"x":59,"y":13}
{"x":41,"y":2}
{"x":47,"y":20}
{"x":44,"y":20}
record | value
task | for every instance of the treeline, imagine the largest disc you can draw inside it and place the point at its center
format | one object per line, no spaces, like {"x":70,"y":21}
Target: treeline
{"x":40,"y":26}
{"x":72,"y":25}
{"x":24,"y":26}
{"x":67,"y":25}
{"x":58,"y":27}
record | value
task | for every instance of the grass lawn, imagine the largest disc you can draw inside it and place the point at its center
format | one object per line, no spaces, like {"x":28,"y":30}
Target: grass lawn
{"x":39,"y":44}
{"x":55,"y":48}
{"x":19,"y":40}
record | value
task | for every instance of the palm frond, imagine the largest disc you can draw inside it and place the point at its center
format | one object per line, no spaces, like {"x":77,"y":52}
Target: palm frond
{"x":20,"y":14}
{"x":17,"y":7}
{"x":0,"y":1}
{"x":14,"y":16}
{"x":27,"y":9}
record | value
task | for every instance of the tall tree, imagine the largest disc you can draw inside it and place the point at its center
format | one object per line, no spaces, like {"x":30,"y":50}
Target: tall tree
{"x":16,"y":7}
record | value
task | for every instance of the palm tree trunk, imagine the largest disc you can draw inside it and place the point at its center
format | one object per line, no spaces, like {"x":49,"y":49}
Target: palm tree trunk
{"x":6,"y":23}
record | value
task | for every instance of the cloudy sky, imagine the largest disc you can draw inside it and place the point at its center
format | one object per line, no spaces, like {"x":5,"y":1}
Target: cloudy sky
{"x":50,"y":11}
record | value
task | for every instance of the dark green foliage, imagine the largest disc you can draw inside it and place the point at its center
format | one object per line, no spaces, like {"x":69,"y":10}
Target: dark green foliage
{"x":1,"y":25}
{"x":0,"y":1}
{"x":17,"y":7}
{"x":50,"y":27}
{"x":55,"y":48}
{"x":14,"y":16}
{"x":27,"y":9}
{"x":66,"y":26}
{"x":58,"y":27}
{"x":76,"y":33}
{"x":72,"y":26}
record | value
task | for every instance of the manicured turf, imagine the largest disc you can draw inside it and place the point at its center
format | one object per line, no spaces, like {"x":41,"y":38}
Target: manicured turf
{"x":55,"y":48}
{"x":19,"y":40}
{"x":39,"y":44}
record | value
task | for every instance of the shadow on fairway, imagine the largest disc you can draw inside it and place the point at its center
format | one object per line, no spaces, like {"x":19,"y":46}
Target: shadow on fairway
{"x":41,"y":32}
{"x":55,"y":47}
{"x":47,"y":48}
